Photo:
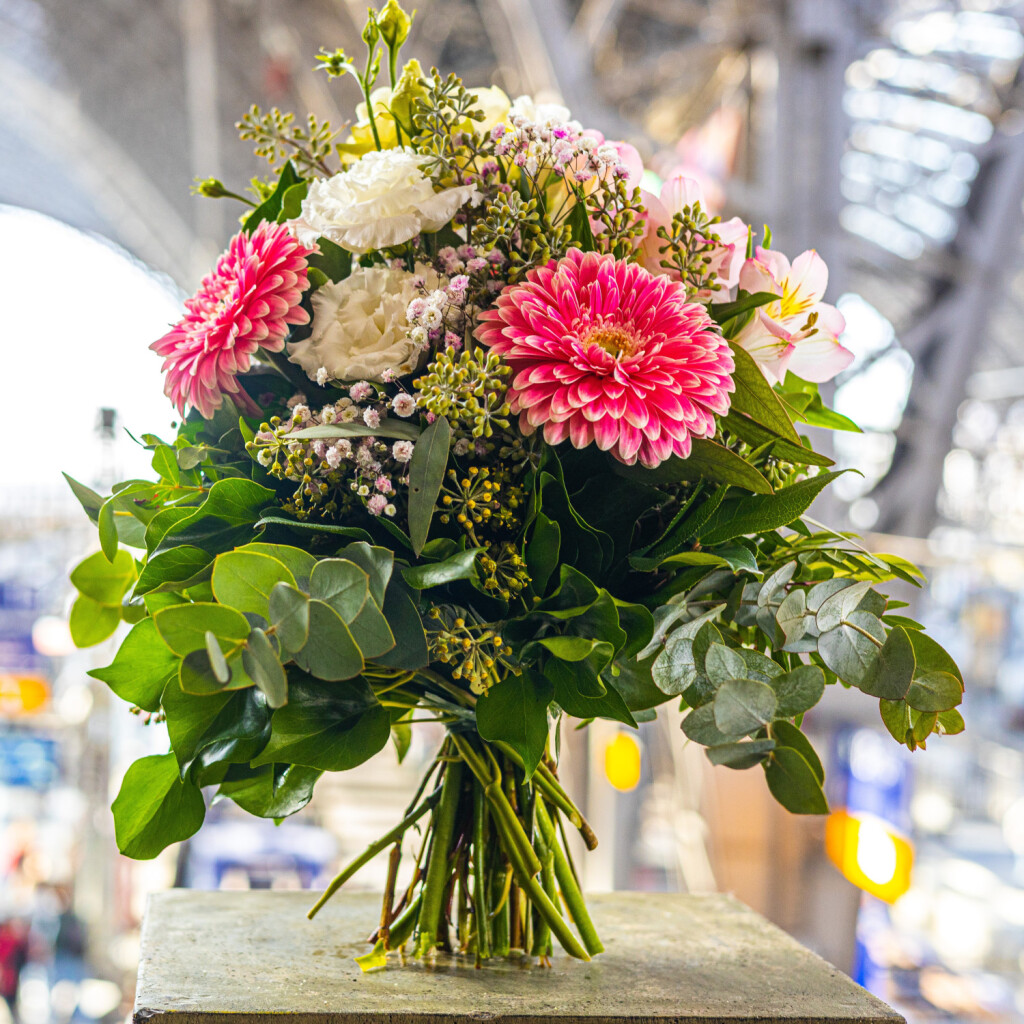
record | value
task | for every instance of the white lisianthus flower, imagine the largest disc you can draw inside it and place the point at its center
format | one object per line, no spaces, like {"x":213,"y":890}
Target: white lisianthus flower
{"x":542,"y":114}
{"x":360,"y":329}
{"x":383,"y":199}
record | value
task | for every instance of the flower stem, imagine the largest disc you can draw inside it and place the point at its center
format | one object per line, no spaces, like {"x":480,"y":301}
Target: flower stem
{"x":567,"y":881}
{"x":481,"y":903}
{"x":372,"y":850}
{"x":434,"y":884}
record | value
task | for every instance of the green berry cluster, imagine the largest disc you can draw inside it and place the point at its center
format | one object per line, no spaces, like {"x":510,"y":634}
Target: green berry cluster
{"x":518,"y":228}
{"x":468,"y":390}
{"x":689,"y":245}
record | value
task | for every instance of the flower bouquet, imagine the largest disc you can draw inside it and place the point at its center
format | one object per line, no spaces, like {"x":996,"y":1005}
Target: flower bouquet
{"x":477,"y":431}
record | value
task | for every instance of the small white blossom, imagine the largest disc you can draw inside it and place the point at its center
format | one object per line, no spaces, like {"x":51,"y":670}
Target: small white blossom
{"x":389,"y":509}
{"x":371,"y":418}
{"x":322,"y":376}
{"x":363,"y":491}
{"x":461,"y":446}
{"x":403,"y":404}
{"x":401,"y":451}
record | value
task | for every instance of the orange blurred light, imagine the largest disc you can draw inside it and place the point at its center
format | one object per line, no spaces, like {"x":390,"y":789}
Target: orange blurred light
{"x":870,"y":853}
{"x":22,"y":694}
{"x":622,"y":762}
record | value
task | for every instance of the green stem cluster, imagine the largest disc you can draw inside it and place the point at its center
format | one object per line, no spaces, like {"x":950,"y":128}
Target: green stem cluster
{"x":492,"y":875}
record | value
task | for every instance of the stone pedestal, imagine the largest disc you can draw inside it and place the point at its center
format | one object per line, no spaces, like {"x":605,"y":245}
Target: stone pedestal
{"x":253,"y":958}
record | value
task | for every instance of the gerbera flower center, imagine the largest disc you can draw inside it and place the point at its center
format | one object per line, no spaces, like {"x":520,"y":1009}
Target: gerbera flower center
{"x":613,"y":338}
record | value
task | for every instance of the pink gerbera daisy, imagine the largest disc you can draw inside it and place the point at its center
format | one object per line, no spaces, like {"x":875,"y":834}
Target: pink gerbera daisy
{"x":605,"y":352}
{"x":244,"y":304}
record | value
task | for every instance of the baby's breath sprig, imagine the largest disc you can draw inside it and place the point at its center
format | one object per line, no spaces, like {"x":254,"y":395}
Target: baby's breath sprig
{"x":475,"y":652}
{"x":278,"y":138}
{"x":688,"y":248}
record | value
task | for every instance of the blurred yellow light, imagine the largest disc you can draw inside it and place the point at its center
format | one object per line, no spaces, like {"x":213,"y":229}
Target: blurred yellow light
{"x":622,"y":762}
{"x":22,"y":694}
{"x":869,"y":853}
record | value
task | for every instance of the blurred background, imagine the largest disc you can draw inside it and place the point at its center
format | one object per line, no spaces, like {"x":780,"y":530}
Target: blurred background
{"x":888,"y":134}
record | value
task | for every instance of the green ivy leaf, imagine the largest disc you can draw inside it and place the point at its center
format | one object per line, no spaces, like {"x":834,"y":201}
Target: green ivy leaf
{"x":426,"y":473}
{"x":329,"y":727}
{"x":460,"y":566}
{"x":141,"y":668}
{"x":270,"y":791}
{"x":174,"y":569}
{"x":155,"y":808}
{"x":515,"y":711}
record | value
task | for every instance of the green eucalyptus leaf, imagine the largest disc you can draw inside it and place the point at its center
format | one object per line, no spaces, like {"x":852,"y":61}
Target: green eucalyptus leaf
{"x":378,"y":563}
{"x":742,"y":706}
{"x":788,"y":735}
{"x":932,"y":657}
{"x":263,"y":666}
{"x":330,"y":652}
{"x":798,"y":691}
{"x":243,"y":579}
{"x":896,"y":718}
{"x":894,"y":670}
{"x":775,"y":583}
{"x":759,"y":666}
{"x":426,"y":473}
{"x":342,"y":585}
{"x":850,"y":654}
{"x":289,"y":615}
{"x":840,"y":605}
{"x":91,"y":622}
{"x":794,"y":782}
{"x":791,"y":617}
{"x":371,"y":631}
{"x":217,"y":660}
{"x":949,"y":723}
{"x":183,"y":627}
{"x":934,"y":691}
{"x":104,"y":581}
{"x":298,"y":561}
{"x":741,"y":755}
{"x":699,"y":726}
{"x":155,"y":808}
{"x":722,"y":663}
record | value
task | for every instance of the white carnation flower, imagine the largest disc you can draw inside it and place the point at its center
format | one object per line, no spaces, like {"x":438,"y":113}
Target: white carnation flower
{"x":383,"y":199}
{"x":360,"y":329}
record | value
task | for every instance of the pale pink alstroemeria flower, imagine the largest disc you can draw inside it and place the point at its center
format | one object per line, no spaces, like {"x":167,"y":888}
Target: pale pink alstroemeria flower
{"x":727,"y":256}
{"x":797,"y":332}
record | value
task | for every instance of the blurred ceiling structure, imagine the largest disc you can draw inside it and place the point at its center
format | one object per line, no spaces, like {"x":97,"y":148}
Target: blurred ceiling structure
{"x":887,"y":133}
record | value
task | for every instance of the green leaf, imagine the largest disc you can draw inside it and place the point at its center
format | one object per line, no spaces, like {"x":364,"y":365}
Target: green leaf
{"x":217,"y":660}
{"x":793,"y":782}
{"x":722,"y":663}
{"x":723,"y":311}
{"x":272,"y":790}
{"x":578,"y":648}
{"x":515,"y":711}
{"x":894,"y":669}
{"x":183,"y":627}
{"x":760,"y":513}
{"x":410,"y":650}
{"x":460,"y":566}
{"x":154,"y":808}
{"x":932,"y":657}
{"x":197,"y":675}
{"x":759,"y":666}
{"x":289,"y":614}
{"x":740,"y":755}
{"x":165,"y":464}
{"x":102,"y":580}
{"x":788,"y":735}
{"x":261,"y":663}
{"x":243,"y":580}
{"x":680,"y":530}
{"x":573,"y":681}
{"x":896,"y":718}
{"x":87,"y":497}
{"x":757,"y":436}
{"x":229,"y":512}
{"x":371,"y":631}
{"x":542,"y":552}
{"x":950,"y":722}
{"x":91,"y":622}
{"x":798,"y":691}
{"x":934,"y":691}
{"x":821,"y":592}
{"x":838,"y":607}
{"x":332,"y":260}
{"x":378,"y":563}
{"x":291,"y":202}
{"x":775,"y":584}
{"x":792,"y":616}
{"x":707,"y":460}
{"x":352,"y":532}
{"x":298,"y":561}
{"x":803,"y":399}
{"x":426,"y":473}
{"x":271,"y":206}
{"x":108,"y":529}
{"x":742,"y":706}
{"x":580,"y":230}
{"x":191,"y":456}
{"x":342,"y":585}
{"x":141,"y":668}
{"x":754,"y":397}
{"x":330,"y":652}
{"x":699,"y":726}
{"x":850,"y":654}
{"x":231,"y":726}
{"x":174,"y":569}
{"x":329,"y":727}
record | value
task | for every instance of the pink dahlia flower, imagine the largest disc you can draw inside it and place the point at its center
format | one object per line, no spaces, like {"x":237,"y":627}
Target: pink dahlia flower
{"x":244,"y":304}
{"x":604,"y":352}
